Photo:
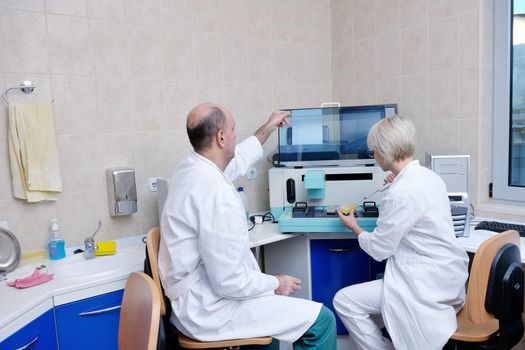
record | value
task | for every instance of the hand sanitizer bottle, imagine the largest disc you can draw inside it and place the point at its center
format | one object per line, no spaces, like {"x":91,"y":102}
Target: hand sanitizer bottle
{"x":242,"y":194}
{"x":56,"y":243}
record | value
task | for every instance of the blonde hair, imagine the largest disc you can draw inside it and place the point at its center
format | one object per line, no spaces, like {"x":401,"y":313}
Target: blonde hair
{"x":393,"y":137}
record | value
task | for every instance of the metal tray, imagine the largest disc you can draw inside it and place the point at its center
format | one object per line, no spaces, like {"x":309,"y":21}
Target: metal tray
{"x":9,"y":251}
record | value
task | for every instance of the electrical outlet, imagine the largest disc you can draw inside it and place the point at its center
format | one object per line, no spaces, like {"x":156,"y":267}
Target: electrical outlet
{"x":252,"y":173}
{"x":152,"y":184}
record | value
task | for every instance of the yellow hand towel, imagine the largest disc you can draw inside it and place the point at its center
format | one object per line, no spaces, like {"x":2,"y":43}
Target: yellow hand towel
{"x":33,"y":153}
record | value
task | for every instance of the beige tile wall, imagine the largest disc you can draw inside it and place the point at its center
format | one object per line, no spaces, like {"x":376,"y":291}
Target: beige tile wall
{"x":124,"y":74}
{"x":431,"y":57}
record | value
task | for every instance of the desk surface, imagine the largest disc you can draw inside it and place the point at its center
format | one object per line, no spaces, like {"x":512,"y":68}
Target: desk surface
{"x":269,"y":233}
{"x":266,"y":233}
{"x":476,"y":237}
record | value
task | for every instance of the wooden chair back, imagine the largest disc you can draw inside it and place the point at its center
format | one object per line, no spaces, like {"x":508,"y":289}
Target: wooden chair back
{"x":152,"y":246}
{"x":475,"y":324}
{"x":139,"y":314}
{"x":480,"y":272}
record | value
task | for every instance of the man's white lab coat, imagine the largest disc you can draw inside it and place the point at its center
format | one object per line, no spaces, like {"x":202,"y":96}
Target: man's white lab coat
{"x":205,"y":243}
{"x":424,"y":281}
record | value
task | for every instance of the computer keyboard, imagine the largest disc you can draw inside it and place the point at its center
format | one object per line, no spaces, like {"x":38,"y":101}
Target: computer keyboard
{"x":500,"y":227}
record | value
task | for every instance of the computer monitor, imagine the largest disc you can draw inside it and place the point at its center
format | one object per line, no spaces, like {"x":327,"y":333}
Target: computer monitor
{"x":329,"y":136}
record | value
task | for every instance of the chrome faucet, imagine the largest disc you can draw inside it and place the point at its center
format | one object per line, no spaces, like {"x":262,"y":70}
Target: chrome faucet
{"x":89,"y":244}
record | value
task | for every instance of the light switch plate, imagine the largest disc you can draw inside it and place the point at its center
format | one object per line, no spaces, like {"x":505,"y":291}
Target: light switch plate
{"x":152,"y":184}
{"x":252,"y":173}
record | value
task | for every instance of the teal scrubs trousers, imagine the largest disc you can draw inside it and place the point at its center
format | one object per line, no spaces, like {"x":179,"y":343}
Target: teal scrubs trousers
{"x":321,"y":335}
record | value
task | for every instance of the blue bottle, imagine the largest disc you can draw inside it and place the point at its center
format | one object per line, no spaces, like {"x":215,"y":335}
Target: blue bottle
{"x":56,"y":245}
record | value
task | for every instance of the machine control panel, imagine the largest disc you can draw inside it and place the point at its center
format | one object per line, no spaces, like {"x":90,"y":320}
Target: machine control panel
{"x":302,"y":210}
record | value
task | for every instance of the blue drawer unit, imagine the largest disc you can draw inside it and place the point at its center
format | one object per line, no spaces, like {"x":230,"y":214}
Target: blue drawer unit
{"x":336,"y":263}
{"x":90,"y":323}
{"x":40,"y":334}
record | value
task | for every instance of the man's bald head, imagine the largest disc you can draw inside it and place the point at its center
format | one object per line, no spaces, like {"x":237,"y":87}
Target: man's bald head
{"x":203,"y":123}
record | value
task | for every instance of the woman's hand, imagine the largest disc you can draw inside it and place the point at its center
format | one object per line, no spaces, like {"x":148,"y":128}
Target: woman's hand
{"x":389,"y":178}
{"x":350,"y":221}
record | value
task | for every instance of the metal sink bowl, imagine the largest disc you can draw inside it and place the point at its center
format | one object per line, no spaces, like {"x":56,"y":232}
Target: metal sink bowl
{"x":76,"y":266}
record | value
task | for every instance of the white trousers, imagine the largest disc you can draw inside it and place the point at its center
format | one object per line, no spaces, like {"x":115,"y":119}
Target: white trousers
{"x":359,"y":307}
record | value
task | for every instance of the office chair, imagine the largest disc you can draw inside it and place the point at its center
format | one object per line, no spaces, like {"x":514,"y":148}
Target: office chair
{"x":491,"y":317}
{"x":139,"y":314}
{"x":151,"y":266}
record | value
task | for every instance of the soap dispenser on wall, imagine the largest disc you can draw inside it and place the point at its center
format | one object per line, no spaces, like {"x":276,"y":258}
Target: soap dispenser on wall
{"x":122,"y":191}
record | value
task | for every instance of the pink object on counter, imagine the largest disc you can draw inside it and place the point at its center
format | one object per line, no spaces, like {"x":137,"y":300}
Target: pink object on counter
{"x":30,"y":281}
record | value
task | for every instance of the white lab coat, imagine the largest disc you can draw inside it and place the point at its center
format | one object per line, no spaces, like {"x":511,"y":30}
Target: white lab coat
{"x":204,"y":224}
{"x":424,"y":280}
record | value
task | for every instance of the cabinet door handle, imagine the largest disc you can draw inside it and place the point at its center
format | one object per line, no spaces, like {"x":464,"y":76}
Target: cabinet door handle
{"x":101,"y":311}
{"x":340,"y":250}
{"x":28,"y":344}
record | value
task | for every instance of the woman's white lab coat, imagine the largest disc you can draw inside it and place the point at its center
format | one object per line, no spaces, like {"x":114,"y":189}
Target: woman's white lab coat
{"x":204,"y":240}
{"x":424,"y":280}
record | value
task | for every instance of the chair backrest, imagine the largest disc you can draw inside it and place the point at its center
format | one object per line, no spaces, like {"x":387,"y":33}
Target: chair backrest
{"x":152,"y":246}
{"x":139,"y":314}
{"x":480,"y":272}
{"x":152,"y":249}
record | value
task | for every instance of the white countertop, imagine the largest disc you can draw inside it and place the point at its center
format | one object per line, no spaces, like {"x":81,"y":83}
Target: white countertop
{"x":15,"y":303}
{"x":29,"y":303}
{"x":267,"y":233}
{"x":476,"y":237}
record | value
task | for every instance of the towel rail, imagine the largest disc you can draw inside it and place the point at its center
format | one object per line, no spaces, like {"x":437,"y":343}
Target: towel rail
{"x":26,"y":87}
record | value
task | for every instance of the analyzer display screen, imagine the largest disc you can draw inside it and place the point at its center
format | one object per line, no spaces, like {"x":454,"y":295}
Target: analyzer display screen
{"x":329,"y":136}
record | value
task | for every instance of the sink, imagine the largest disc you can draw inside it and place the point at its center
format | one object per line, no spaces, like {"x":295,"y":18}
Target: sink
{"x":76,"y":266}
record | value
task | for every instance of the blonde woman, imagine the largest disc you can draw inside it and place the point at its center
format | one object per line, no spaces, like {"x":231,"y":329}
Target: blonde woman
{"x":426,"y":270}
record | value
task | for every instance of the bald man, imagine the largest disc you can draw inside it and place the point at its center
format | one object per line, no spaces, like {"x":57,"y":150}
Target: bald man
{"x":208,"y":272}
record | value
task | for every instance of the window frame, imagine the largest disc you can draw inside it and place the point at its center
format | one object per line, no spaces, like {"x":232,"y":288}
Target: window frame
{"x":501,"y":115}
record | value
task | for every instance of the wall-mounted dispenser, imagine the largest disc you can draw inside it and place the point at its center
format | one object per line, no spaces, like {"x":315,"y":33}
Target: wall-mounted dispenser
{"x":122,"y":191}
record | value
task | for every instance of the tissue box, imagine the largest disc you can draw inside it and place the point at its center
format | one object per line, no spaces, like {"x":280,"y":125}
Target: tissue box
{"x":106,"y":248}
